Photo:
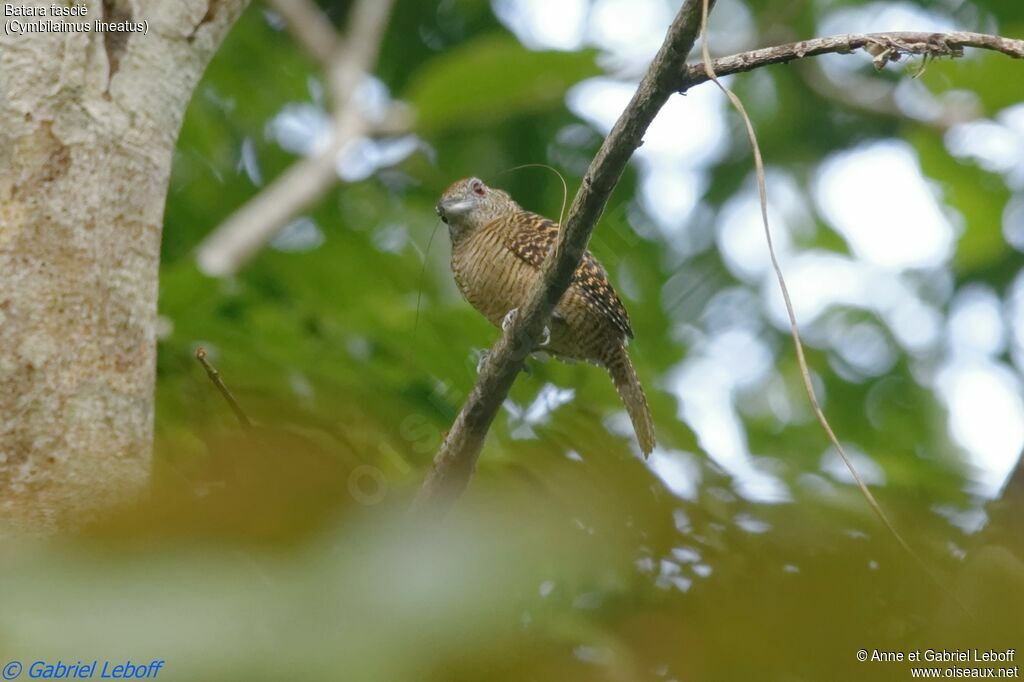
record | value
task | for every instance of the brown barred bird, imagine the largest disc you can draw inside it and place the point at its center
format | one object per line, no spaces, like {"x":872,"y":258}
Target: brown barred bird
{"x":497,"y":252}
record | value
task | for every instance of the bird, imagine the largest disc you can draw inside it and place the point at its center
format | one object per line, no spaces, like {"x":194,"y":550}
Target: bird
{"x":498,"y":250}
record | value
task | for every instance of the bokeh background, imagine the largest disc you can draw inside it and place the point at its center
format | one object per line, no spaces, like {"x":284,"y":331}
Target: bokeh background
{"x":740,"y":549}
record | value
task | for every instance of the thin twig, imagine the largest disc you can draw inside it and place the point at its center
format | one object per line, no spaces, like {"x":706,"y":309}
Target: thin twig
{"x":211,"y":371}
{"x":885,"y":47}
{"x":239,"y":237}
{"x":455,"y":460}
{"x":805,"y":372}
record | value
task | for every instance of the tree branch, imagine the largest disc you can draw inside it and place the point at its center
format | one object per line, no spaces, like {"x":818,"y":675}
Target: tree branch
{"x":248,"y":228}
{"x":884,"y":47}
{"x":458,"y":454}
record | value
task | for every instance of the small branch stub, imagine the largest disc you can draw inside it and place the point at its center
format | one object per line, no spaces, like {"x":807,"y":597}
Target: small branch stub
{"x":211,"y":371}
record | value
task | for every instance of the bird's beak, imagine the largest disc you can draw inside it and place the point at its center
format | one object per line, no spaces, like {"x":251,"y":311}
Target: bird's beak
{"x":446,"y":208}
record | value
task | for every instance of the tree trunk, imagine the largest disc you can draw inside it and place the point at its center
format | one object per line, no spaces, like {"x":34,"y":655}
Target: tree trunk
{"x":88,"y":124}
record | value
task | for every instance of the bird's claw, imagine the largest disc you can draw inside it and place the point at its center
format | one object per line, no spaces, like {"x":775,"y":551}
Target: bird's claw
{"x":509,"y":319}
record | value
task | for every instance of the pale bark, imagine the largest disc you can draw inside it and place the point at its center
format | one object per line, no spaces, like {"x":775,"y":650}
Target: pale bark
{"x":88,"y":124}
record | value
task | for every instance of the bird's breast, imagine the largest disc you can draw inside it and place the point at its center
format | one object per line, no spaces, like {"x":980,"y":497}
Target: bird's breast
{"x":490,"y":276}
{"x":495,"y":280}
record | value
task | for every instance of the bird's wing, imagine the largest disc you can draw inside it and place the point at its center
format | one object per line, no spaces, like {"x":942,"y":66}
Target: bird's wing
{"x":531,"y":238}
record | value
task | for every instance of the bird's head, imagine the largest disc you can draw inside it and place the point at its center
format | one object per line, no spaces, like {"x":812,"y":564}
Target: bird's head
{"x":469,"y":204}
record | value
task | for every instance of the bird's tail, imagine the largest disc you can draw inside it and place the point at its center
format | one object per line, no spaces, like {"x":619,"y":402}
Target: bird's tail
{"x":627,"y":384}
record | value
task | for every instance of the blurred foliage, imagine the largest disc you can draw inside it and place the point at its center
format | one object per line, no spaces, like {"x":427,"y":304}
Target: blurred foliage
{"x":530,"y":81}
{"x":286,"y":552}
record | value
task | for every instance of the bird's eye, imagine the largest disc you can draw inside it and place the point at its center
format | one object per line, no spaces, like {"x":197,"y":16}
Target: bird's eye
{"x":478,"y":188}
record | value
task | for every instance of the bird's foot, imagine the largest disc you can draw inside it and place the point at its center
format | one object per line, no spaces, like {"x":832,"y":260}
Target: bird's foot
{"x":509,"y":319}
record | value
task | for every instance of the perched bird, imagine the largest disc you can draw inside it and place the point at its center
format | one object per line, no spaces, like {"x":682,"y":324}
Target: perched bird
{"x":497,"y":252}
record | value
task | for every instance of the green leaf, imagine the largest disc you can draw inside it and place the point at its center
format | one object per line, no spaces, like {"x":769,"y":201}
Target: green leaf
{"x":493,"y":78}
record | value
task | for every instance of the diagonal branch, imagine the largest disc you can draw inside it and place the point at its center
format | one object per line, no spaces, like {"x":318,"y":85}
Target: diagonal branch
{"x":458,"y":454}
{"x":884,"y":47}
{"x":348,"y":61}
